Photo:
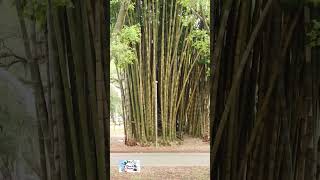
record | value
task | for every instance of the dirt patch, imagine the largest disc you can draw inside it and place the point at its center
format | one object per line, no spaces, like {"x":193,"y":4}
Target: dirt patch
{"x":163,"y":173}
{"x":189,"y":144}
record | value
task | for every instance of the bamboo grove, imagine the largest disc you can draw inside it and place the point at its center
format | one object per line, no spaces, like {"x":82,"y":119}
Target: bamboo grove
{"x":265,"y":90}
{"x":71,"y":96}
{"x":164,"y":87}
{"x":256,"y":86}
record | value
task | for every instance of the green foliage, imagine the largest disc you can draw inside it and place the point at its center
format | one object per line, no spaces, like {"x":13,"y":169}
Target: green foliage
{"x":185,"y":3}
{"x":194,"y":6}
{"x":130,"y":34}
{"x":188,"y":19}
{"x":200,"y":41}
{"x":113,"y":2}
{"x":35,"y":9}
{"x":314,"y":34}
{"x":122,"y":46}
{"x":115,"y":7}
{"x":131,"y":6}
{"x":121,"y":53}
{"x":204,"y":61}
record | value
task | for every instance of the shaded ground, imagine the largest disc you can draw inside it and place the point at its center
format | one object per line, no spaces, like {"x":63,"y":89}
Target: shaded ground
{"x":164,"y":173}
{"x":163,"y":159}
{"x":188,"y":145}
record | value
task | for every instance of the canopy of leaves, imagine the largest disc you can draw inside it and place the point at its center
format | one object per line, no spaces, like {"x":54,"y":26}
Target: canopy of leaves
{"x":114,"y":9}
{"x":194,"y":9}
{"x":196,"y":5}
{"x":130,"y":34}
{"x":200,"y":41}
{"x":122,"y":46}
{"x":197,"y":15}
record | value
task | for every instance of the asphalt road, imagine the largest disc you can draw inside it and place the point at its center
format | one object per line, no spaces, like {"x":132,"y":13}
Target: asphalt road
{"x":163,"y":159}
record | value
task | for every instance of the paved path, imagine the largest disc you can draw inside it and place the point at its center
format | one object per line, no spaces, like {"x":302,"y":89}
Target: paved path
{"x":163,"y":159}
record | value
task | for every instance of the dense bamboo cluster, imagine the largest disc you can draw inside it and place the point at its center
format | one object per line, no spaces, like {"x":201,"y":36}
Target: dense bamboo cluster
{"x":72,"y":114}
{"x":165,"y":84}
{"x":197,"y":105}
{"x":265,"y":91}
